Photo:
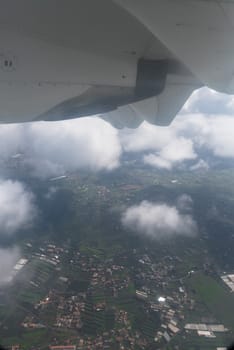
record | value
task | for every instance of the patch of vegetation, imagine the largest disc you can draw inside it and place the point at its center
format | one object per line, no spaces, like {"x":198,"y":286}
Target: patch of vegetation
{"x":218,"y":300}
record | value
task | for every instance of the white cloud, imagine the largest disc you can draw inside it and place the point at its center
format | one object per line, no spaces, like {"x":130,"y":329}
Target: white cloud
{"x":178,"y":150}
{"x":157,"y":161}
{"x":146,"y":137}
{"x":16,"y":206}
{"x":85,"y":143}
{"x":184,"y":203}
{"x":8,"y":258}
{"x":207,"y":101}
{"x":10,"y":139}
{"x":175,"y":152}
{"x":185,"y":139}
{"x":214,"y":133}
{"x":158,"y":220}
{"x":200,"y":165}
{"x":51,"y":149}
{"x":219,"y":136}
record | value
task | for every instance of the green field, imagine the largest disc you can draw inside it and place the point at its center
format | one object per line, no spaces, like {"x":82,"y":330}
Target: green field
{"x":214,"y":295}
{"x":39,"y":338}
{"x":41,"y":272}
{"x":193,"y":342}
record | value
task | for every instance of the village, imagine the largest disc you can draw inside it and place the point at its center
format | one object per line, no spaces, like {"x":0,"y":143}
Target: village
{"x":100,"y":299}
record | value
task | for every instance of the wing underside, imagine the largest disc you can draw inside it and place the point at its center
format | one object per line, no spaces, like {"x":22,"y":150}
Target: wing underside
{"x":80,"y":61}
{"x":159,"y":110}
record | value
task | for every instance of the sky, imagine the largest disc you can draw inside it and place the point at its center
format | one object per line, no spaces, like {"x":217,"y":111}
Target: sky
{"x":205,"y":126}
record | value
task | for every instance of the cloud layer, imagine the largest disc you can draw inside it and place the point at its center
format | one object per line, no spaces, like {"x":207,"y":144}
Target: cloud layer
{"x":50,"y":149}
{"x":187,"y":139}
{"x":206,"y":124}
{"x":159,"y":220}
{"x":16,"y":207}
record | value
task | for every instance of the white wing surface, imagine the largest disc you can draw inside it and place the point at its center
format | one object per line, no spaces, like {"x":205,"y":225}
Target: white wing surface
{"x":129,"y":60}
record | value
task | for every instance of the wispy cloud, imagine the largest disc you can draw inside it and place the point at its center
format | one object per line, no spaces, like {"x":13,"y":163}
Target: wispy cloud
{"x":17,"y":208}
{"x":8,"y":258}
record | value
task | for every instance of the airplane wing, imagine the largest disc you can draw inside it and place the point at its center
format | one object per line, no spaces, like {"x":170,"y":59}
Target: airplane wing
{"x":128,"y":60}
{"x":159,"y":110}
